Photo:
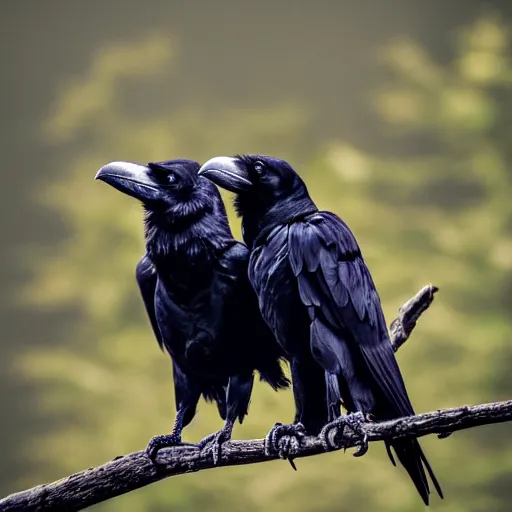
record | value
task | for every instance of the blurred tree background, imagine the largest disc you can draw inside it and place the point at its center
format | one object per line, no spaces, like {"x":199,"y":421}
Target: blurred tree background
{"x":397,"y":115}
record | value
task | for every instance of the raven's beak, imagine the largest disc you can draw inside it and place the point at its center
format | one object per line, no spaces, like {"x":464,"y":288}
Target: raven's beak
{"x":132,"y":179}
{"x":228,"y":173}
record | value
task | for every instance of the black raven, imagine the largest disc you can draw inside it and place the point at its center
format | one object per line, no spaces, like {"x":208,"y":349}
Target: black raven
{"x":316,"y":293}
{"x":194,"y":284}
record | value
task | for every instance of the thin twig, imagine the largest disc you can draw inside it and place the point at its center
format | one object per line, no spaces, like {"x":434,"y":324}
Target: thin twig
{"x":409,"y":313}
{"x":125,"y":474}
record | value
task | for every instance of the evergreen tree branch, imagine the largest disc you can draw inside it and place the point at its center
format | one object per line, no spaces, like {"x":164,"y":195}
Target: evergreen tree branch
{"x":135,"y":470}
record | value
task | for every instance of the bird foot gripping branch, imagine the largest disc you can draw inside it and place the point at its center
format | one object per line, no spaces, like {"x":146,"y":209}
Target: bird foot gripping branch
{"x":332,"y":435}
{"x":285,"y":441}
{"x":214,"y":442}
{"x":156,"y":443}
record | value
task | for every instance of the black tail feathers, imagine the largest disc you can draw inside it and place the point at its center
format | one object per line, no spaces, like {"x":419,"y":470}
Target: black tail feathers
{"x":273,"y":375}
{"x":409,"y":453}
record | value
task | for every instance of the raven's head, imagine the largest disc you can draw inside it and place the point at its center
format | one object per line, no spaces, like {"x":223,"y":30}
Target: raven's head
{"x":268,"y":189}
{"x":172,"y":187}
{"x":254,"y":175}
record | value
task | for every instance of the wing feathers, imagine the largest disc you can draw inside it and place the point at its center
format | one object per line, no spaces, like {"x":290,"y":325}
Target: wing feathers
{"x":347,"y":325}
{"x":333,"y":279}
{"x":146,"y":279}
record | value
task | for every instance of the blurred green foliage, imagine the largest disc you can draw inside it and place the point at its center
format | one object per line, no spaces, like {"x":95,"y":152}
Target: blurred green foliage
{"x":439,"y":211}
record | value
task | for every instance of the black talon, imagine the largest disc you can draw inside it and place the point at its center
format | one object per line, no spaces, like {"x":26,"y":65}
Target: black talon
{"x":215,"y":441}
{"x":355,"y":422}
{"x":363,"y":447}
{"x":336,"y":429}
{"x":156,"y":443}
{"x":285,"y":441}
{"x":390,"y":454}
{"x":288,"y":445}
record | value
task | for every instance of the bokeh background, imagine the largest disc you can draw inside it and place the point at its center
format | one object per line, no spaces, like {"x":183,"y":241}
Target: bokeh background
{"x":399,"y":116}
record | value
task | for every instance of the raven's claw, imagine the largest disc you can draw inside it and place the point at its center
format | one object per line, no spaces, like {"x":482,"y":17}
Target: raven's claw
{"x":165,"y":441}
{"x":332,"y":433}
{"x":285,"y":441}
{"x":214,"y":443}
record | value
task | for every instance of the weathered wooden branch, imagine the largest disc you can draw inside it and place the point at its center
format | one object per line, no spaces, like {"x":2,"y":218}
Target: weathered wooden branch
{"x":125,"y":474}
{"x":409,"y":313}
{"x":130,"y":472}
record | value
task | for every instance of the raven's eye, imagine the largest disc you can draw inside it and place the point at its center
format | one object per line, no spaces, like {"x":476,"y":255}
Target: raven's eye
{"x":171,"y":178}
{"x":259,"y":166}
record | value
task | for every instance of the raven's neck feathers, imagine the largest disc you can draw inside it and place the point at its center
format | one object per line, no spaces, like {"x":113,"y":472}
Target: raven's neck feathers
{"x":259,"y":218}
{"x":190,"y":239}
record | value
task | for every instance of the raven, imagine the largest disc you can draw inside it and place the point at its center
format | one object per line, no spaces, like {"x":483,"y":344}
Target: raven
{"x":316,"y":293}
{"x":194,"y":284}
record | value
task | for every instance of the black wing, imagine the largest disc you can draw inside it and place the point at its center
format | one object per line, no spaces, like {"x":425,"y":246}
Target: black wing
{"x":344,"y":306}
{"x":146,"y":279}
{"x":346,"y":316}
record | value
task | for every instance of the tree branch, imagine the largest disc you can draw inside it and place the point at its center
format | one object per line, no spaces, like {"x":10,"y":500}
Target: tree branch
{"x":409,"y":313}
{"x":125,"y":474}
{"x":135,"y":470}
